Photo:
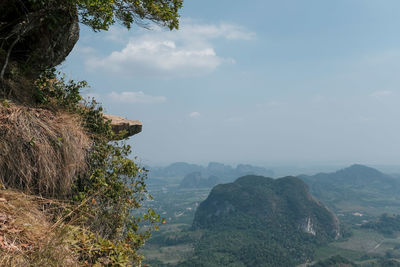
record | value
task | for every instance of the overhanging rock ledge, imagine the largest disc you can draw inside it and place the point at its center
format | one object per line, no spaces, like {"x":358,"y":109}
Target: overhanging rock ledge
{"x":120,"y":124}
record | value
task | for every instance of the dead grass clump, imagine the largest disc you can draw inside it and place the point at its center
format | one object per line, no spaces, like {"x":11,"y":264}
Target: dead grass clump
{"x":41,"y":152}
{"x":27,"y":237}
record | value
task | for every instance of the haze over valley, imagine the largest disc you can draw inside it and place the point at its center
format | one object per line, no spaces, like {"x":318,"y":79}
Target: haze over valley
{"x":350,"y":212}
{"x":270,"y":129}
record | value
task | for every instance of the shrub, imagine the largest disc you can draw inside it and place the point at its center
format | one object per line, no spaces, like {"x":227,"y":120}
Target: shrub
{"x":111,"y":186}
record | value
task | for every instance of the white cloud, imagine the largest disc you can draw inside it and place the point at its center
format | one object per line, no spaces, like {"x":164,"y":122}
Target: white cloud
{"x":212,"y":31}
{"x":136,"y":97}
{"x":194,"y":114}
{"x":381,"y":93}
{"x":187,"y":52}
{"x":117,"y":34}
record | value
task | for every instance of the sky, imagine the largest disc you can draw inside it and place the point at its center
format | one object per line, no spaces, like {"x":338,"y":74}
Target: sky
{"x":262,"y":82}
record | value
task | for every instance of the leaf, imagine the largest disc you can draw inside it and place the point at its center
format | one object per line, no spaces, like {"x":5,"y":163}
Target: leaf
{"x":32,"y":141}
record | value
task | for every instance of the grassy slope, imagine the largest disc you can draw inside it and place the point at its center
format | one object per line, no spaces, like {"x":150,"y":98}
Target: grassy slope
{"x":28,"y":237}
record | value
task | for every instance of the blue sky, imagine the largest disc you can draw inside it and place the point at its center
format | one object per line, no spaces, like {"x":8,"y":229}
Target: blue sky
{"x":262,"y":82}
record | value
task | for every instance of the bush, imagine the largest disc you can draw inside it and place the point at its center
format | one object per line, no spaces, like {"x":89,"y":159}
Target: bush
{"x":113,"y":185}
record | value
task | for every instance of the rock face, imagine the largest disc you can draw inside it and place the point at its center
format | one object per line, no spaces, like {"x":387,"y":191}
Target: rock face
{"x":120,"y":124}
{"x":39,"y":37}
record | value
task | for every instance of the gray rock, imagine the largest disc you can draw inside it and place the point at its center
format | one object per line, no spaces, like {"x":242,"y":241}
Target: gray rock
{"x":120,"y":124}
{"x":39,"y":38}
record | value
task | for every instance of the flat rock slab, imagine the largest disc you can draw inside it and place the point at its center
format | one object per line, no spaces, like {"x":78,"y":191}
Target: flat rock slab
{"x":120,"y":124}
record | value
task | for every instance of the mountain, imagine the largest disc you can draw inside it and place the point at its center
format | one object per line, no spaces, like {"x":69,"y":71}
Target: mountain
{"x":247,"y":169}
{"x":259,"y":221}
{"x":196,"y":180}
{"x":177,"y":169}
{"x":355,"y":186}
{"x":225,"y":173}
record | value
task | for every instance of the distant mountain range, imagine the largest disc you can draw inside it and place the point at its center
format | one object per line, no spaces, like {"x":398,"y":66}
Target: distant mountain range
{"x":224,"y":173}
{"x":355,"y":186}
{"x":196,"y":180}
{"x":259,"y":221}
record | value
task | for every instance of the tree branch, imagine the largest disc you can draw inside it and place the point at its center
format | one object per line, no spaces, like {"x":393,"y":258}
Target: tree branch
{"x":20,"y":30}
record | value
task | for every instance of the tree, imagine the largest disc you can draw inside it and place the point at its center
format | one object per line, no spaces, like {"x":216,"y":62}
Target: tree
{"x":101,"y":14}
{"x":43,"y":32}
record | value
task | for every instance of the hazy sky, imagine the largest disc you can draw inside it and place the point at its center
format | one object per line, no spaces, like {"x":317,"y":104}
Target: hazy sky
{"x":255,"y":82}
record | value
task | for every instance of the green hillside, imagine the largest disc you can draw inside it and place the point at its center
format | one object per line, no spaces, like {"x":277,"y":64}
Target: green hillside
{"x":259,"y":221}
{"x":356,"y":188}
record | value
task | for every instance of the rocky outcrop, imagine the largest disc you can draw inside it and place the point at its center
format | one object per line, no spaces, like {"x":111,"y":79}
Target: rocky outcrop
{"x":307,"y":226}
{"x":120,"y":124}
{"x":36,"y":35}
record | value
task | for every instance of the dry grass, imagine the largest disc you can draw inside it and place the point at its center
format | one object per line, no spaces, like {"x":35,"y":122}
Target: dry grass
{"x":26,"y":238}
{"x":41,"y":152}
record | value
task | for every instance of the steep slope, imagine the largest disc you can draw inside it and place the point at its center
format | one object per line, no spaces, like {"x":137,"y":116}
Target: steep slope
{"x":29,"y":236}
{"x":358,"y":185}
{"x":258,"y":220}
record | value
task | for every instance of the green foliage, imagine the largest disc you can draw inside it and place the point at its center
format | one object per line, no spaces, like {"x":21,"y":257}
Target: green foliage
{"x":259,"y":246}
{"x":97,"y":251}
{"x":258,"y":221}
{"x":383,"y":262}
{"x":53,"y":91}
{"x":244,"y":241}
{"x":114,"y":185}
{"x":335,"y":261}
{"x":101,"y":14}
{"x":386,"y":224}
{"x":353,"y":187}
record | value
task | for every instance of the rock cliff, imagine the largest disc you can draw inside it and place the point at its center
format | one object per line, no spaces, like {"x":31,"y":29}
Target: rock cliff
{"x":34,"y":36}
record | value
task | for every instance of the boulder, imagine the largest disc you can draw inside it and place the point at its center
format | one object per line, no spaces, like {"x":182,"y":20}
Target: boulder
{"x":120,"y":124}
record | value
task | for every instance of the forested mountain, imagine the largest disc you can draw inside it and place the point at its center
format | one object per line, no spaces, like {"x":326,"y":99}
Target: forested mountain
{"x":259,"y":221}
{"x":356,"y":185}
{"x":224,"y":173}
{"x":196,"y":180}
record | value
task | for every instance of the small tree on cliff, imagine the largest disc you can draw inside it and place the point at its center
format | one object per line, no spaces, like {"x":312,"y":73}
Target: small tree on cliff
{"x":24,"y":22}
{"x":101,"y":14}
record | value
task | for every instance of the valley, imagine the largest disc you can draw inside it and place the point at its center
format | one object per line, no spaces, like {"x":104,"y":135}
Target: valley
{"x":176,"y":240}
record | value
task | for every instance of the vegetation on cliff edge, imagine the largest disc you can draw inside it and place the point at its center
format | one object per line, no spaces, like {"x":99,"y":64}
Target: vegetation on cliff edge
{"x":58,"y":148}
